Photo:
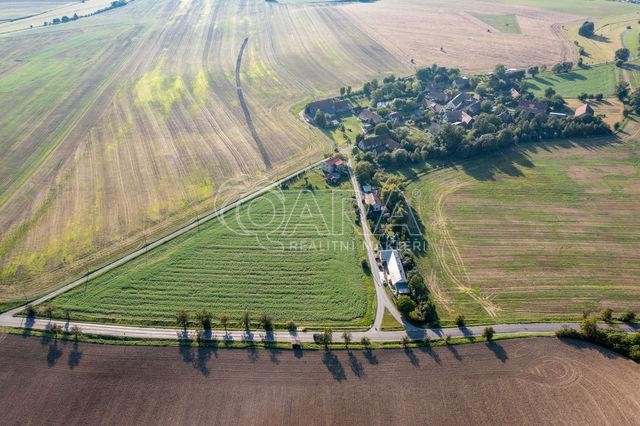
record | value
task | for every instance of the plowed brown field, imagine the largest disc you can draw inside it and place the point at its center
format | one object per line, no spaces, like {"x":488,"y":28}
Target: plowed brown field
{"x":117,"y":128}
{"x":532,"y":381}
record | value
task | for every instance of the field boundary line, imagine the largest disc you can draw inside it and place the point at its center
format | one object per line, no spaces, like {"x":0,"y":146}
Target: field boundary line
{"x":162,"y":240}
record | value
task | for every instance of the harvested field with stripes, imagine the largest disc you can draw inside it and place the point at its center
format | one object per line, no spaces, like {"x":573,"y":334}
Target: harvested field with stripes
{"x":118,"y":128}
{"x":540,"y":233}
{"x":291,"y":254}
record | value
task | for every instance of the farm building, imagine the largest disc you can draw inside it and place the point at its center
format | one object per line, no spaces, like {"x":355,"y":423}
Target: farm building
{"x":584,"y":111}
{"x":369,"y":117}
{"x":394,"y":272}
{"x":331,"y":106}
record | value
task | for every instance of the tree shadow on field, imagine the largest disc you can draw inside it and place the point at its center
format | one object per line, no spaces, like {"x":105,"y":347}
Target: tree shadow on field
{"x":331,"y":361}
{"x":54,"y":354}
{"x":498,"y":351}
{"x":28,"y":325}
{"x":252,"y":352}
{"x":203,"y":355}
{"x":433,"y":354}
{"x":356,"y":365}
{"x":370,"y":356}
{"x":511,"y":162}
{"x":413,"y":359}
{"x":74,"y":356}
{"x":454,"y":352}
{"x":185,"y":350}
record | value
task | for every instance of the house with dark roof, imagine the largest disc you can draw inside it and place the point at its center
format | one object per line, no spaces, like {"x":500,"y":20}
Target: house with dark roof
{"x":458,"y":117}
{"x":438,"y":96}
{"x":457,"y":102}
{"x":533,"y":107}
{"x":370,"y":117}
{"x":378,"y":143}
{"x":584,"y":111}
{"x":331,"y":106}
{"x":434,"y":106}
{"x":474,"y":108}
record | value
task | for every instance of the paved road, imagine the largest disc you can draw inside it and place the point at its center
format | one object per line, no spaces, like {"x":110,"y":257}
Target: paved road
{"x":382,"y":298}
{"x":413,"y":333}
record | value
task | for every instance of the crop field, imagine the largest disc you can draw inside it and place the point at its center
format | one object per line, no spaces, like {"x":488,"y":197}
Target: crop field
{"x":14,"y":9}
{"x":502,"y":23}
{"x":17,"y":15}
{"x":520,"y":381}
{"x":292,"y":254}
{"x":536,"y":234}
{"x":117,"y":128}
{"x":591,"y":8}
{"x":598,"y":79}
{"x":471,"y":47}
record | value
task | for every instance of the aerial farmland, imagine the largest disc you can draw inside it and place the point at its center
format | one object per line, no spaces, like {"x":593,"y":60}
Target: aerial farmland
{"x":106,"y":148}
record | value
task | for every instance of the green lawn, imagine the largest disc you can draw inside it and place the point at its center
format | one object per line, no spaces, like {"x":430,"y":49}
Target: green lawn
{"x":537,"y":234}
{"x":598,"y":79}
{"x":502,"y":23}
{"x":352,"y":126}
{"x":292,"y":254}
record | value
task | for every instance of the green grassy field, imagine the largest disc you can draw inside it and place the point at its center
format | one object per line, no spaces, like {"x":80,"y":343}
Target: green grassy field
{"x":502,"y":23}
{"x":595,"y":8}
{"x":598,"y":79}
{"x":534,"y":234}
{"x":292,"y":254}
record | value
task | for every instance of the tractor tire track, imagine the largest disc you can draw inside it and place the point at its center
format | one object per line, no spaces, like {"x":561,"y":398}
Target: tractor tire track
{"x":247,"y":113}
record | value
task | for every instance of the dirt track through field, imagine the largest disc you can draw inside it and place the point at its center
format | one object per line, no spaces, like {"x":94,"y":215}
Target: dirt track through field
{"x":530,"y":381}
{"x":245,"y":109}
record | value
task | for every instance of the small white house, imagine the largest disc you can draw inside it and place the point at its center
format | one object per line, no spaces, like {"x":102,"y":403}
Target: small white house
{"x":394,"y":272}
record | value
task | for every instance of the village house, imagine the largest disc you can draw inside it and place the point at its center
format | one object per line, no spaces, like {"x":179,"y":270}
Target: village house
{"x":333,"y":165}
{"x":474,"y":108}
{"x":378,"y":143}
{"x":372,"y":199}
{"x":369,"y":117}
{"x":393,"y":272}
{"x":584,"y":111}
{"x":458,"y":117}
{"x":457,"y":101}
{"x":333,"y":169}
{"x":533,"y":107}
{"x":436,"y":107}
{"x":331,"y":106}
